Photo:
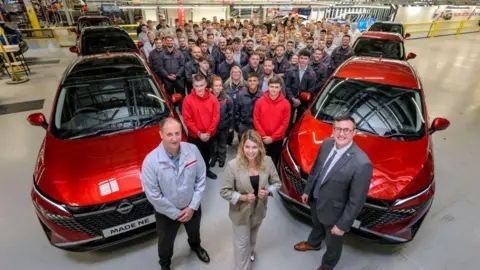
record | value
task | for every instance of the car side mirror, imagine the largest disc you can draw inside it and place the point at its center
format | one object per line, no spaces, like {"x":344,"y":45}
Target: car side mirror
{"x":140,"y":45}
{"x":74,"y":49}
{"x":176,"y":98}
{"x":407,"y":35}
{"x":438,"y":124}
{"x":411,"y":56}
{"x":37,"y":119}
{"x":306,"y":96}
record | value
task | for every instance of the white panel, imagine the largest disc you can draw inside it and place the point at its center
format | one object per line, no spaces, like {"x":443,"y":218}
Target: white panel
{"x":415,"y":14}
{"x":150,"y":14}
{"x":208,"y":13}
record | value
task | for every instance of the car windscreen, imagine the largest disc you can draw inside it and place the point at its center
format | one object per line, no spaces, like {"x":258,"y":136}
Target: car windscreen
{"x":102,"y":42}
{"x":93,"y":22}
{"x":386,"y":27}
{"x":379,"y":47}
{"x":379,"y":109}
{"x":106,"y":106}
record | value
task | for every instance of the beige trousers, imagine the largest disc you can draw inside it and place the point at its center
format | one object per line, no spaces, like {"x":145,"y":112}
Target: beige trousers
{"x":244,"y":240}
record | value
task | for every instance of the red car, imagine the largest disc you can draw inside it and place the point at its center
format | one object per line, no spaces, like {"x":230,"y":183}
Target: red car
{"x":386,"y":99}
{"x":85,"y":21}
{"x":86,"y":190}
{"x":384,"y":44}
{"x":102,"y":39}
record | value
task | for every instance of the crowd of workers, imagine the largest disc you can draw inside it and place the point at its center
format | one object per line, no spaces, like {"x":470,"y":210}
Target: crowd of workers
{"x":250,"y":77}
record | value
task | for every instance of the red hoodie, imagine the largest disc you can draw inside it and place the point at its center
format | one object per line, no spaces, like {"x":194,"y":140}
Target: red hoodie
{"x":271,"y":117}
{"x":201,"y":114}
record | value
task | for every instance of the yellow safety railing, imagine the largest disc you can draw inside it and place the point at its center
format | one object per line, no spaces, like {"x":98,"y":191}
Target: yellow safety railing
{"x":442,"y":26}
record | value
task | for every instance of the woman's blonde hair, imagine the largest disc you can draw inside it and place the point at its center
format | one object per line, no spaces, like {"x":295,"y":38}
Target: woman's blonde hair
{"x":235,"y":68}
{"x":242,"y":159}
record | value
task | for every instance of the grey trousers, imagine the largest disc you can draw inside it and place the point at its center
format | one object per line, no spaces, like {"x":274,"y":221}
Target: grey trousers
{"x":333,"y":242}
{"x":244,"y":240}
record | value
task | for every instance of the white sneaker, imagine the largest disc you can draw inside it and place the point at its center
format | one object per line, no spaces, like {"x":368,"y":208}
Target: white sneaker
{"x":252,"y":256}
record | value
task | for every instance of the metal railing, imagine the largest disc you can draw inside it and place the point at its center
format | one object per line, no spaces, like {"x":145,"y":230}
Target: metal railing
{"x":442,"y":28}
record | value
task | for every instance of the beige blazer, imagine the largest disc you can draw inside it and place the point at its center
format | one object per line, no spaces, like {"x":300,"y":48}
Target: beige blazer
{"x":236,"y":182}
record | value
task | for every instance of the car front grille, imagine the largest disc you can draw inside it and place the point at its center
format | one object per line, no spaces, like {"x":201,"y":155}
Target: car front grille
{"x":297,"y":183}
{"x":375,"y":213}
{"x":92,"y":220}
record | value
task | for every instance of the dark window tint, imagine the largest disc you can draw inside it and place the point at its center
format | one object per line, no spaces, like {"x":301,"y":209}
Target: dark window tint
{"x":386,"y":27}
{"x":101,"y":42}
{"x":379,"y":109}
{"x":107,"y":106}
{"x":379,"y":47}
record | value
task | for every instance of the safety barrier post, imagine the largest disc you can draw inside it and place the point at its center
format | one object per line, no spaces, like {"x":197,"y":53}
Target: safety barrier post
{"x":460,"y":27}
{"x":15,"y":78}
{"x":435,"y":28}
{"x":2,"y":32}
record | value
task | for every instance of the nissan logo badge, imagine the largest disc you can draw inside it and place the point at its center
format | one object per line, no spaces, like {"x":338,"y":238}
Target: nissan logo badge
{"x":124,"y":207}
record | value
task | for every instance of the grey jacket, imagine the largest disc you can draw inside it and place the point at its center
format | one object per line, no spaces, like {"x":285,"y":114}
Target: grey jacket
{"x":170,"y":191}
{"x":236,"y":182}
{"x":172,"y":63}
{"x":342,"y":194}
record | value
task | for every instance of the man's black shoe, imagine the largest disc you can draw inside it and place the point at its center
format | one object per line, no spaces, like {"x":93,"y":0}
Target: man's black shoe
{"x":221,"y":163}
{"x":211,"y":175}
{"x":213,"y":162}
{"x":202,"y":254}
{"x":167,"y":267}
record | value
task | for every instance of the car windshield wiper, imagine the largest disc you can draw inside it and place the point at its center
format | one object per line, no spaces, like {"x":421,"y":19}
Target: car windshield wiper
{"x":156,"y":118}
{"x":403,"y":135}
{"x":102,"y":131}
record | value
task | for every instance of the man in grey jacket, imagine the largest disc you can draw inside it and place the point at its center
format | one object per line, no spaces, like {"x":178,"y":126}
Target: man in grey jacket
{"x":173,"y":177}
{"x":336,"y":190}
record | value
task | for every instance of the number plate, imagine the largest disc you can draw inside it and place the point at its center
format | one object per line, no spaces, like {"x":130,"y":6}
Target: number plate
{"x":129,"y":226}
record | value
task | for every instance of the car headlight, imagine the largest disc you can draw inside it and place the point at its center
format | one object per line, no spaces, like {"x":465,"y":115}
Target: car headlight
{"x":46,"y":206}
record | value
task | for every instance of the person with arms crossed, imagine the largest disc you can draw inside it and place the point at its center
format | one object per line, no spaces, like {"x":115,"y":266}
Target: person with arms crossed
{"x":173,"y":178}
{"x":336,"y":190}
{"x":247,"y":182}
{"x":271,"y":117}
{"x":201,"y":114}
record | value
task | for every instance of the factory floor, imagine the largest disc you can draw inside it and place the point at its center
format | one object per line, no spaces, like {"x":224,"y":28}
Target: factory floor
{"x":448,"y":239}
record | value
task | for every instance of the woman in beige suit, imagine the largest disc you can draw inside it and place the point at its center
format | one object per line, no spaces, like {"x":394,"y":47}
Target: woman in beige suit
{"x":247,"y":182}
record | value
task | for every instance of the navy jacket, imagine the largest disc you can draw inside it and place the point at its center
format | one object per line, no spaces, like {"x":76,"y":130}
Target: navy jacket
{"x":172,"y":63}
{"x":340,"y":55}
{"x":154,"y":60}
{"x":227,"y":118}
{"x":294,"y":86}
{"x":322,"y":74}
{"x":282,"y":67}
{"x":248,"y":69}
{"x":244,"y":109}
{"x":223,"y":70}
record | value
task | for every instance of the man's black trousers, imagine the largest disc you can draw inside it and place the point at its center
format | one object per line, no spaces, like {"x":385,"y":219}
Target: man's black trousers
{"x":205,"y":148}
{"x":322,"y":232}
{"x":274,"y":150}
{"x":167,"y":232}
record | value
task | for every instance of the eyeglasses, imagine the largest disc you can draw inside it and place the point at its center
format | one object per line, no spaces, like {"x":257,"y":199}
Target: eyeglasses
{"x":345,"y":130}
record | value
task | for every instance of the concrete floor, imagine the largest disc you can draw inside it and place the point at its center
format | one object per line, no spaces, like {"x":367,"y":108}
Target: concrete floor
{"x":449,"y":239}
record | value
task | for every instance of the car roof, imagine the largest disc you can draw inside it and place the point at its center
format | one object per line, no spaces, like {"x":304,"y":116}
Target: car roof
{"x":385,"y":22}
{"x":382,"y":35}
{"x":93,"y":17}
{"x":107,"y":28}
{"x":377,"y":70}
{"x":104,"y":64}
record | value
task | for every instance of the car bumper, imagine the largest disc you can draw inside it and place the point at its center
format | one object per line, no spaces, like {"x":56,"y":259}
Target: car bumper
{"x":403,"y":235}
{"x":384,"y":224}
